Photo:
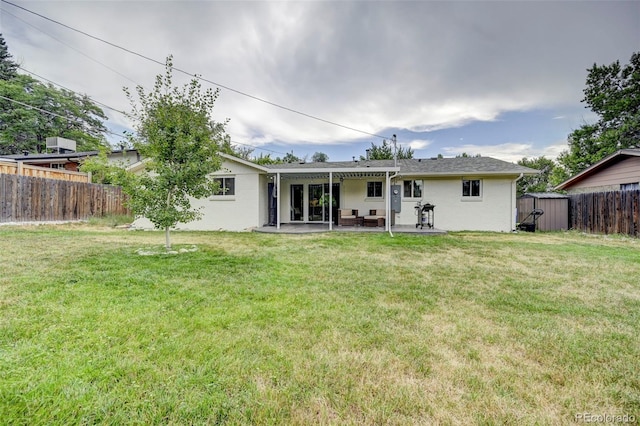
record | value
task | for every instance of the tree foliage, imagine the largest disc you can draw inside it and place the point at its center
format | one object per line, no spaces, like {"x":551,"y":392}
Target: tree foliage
{"x":31,"y":111}
{"x":385,"y":152}
{"x":319,"y":157}
{"x":539,"y":182}
{"x":613,"y":93}
{"x":8,"y":68}
{"x":177,"y":136}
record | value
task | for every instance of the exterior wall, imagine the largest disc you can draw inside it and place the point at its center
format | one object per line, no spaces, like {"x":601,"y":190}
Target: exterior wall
{"x":610,"y":178}
{"x":493,"y":211}
{"x":239,"y":212}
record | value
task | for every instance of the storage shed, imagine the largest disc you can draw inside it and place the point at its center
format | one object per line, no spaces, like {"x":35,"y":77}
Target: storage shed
{"x":554,"y":205}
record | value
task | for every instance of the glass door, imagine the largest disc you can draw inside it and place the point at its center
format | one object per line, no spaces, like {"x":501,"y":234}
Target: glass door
{"x":297,"y":203}
{"x":316,"y":210}
{"x":320,"y":202}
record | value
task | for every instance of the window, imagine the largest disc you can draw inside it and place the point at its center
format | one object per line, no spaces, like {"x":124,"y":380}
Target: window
{"x":412,"y":189}
{"x":471,"y":187}
{"x":227,"y":186}
{"x":629,"y":186}
{"x":374,"y":189}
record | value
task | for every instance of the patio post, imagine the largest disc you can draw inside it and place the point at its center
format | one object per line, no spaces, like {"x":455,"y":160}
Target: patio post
{"x":278,"y":200}
{"x":387,"y":203}
{"x":330,"y":201}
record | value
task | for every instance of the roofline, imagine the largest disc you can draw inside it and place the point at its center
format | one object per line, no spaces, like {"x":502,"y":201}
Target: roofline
{"x":243,"y":161}
{"x":334,"y":170}
{"x":594,"y":167}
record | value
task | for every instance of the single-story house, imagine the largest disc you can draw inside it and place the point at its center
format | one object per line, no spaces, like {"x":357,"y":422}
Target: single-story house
{"x":469,"y":193}
{"x":619,"y":171}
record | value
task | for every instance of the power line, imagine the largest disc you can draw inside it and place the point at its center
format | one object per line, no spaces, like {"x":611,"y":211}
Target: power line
{"x":70,"y":47}
{"x":65,"y":88}
{"x":196,"y":76}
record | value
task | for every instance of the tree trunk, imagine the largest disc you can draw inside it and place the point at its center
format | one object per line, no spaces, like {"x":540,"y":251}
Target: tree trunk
{"x":167,"y":238}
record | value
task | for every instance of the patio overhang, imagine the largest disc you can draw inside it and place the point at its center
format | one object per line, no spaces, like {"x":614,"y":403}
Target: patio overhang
{"x":331,"y":174}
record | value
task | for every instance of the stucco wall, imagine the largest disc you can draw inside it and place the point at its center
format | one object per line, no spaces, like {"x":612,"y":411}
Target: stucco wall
{"x":239,"y":212}
{"x":493,"y":211}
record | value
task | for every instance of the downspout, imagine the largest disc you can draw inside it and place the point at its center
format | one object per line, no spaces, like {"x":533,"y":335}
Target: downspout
{"x":514,"y":191}
{"x":386,"y":220}
{"x":278,"y":200}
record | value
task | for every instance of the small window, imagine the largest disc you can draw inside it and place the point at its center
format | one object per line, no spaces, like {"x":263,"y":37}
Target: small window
{"x":629,"y":186}
{"x":227,"y":186}
{"x":471,"y":187}
{"x":412,"y":189}
{"x":374,"y":189}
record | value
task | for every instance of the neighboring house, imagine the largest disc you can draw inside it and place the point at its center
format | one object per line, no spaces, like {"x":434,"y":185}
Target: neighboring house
{"x":477,"y":193}
{"x":619,"y":171}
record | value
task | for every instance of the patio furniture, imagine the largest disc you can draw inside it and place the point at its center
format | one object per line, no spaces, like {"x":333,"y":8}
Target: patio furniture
{"x":375,"y":218}
{"x":347,"y":217}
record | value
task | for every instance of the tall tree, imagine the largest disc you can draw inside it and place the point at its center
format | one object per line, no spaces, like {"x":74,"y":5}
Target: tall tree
{"x":385,"y":152}
{"x":320,"y":157}
{"x":612,"y":92}
{"x":176,"y":134}
{"x":31,"y":111}
{"x":8,"y":68}
{"x":539,"y":182}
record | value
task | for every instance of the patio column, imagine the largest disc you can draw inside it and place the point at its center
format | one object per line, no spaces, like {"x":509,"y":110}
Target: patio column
{"x":278,"y":200}
{"x":387,"y":224}
{"x":330,"y":201}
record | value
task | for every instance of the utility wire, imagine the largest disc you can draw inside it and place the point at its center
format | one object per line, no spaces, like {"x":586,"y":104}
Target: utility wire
{"x":70,"y":47}
{"x":65,"y":88}
{"x":195,"y":75}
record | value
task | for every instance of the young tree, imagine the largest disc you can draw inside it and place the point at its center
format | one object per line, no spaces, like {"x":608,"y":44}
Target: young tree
{"x":177,"y":135}
{"x":612,"y":92}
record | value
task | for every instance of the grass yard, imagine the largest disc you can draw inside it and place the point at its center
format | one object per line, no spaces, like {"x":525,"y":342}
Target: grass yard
{"x":341,"y":328}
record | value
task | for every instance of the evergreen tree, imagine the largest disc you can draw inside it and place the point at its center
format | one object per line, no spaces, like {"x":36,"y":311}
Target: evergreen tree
{"x":8,"y":68}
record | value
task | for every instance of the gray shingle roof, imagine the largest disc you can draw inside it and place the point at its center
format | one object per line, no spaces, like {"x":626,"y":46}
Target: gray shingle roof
{"x":433,"y":167}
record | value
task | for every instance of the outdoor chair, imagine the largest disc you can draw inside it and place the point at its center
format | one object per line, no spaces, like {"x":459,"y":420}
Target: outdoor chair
{"x":347,"y":217}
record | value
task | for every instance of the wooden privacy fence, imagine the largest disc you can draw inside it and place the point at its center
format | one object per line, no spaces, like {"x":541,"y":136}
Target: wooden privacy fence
{"x":615,"y":212}
{"x":32,"y":199}
{"x":19,"y":168}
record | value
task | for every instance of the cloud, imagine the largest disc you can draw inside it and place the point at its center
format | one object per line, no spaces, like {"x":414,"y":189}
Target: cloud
{"x":372,"y":66}
{"x":419,"y":144}
{"x":512,"y":152}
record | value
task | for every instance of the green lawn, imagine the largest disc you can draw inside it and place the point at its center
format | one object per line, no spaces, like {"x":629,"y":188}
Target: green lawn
{"x":341,"y":328}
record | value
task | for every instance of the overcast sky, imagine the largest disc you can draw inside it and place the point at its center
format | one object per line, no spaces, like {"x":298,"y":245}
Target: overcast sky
{"x":501,"y":79}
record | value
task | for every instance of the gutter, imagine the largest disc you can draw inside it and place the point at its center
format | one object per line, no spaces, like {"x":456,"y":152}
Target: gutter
{"x":395,"y":176}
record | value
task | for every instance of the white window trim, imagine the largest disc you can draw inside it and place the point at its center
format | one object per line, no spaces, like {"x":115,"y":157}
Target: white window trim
{"x":472,"y":198}
{"x":413,"y":197}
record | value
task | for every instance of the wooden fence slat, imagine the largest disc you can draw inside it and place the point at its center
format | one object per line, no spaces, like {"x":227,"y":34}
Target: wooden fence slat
{"x":38,"y":199}
{"x":614,"y":212}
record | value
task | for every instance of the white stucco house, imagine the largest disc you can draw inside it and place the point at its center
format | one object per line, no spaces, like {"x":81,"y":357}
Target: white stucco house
{"x":471,"y":193}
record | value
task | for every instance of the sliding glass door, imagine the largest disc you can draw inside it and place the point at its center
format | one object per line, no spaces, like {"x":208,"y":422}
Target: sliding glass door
{"x":320,"y":202}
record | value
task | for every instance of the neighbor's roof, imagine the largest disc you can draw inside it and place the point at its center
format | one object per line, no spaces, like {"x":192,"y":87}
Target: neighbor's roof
{"x":595,"y":168}
{"x":423,"y":167}
{"x":51,"y":156}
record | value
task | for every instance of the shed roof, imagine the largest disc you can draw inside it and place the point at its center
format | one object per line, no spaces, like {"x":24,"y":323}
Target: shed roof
{"x":544,"y":195}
